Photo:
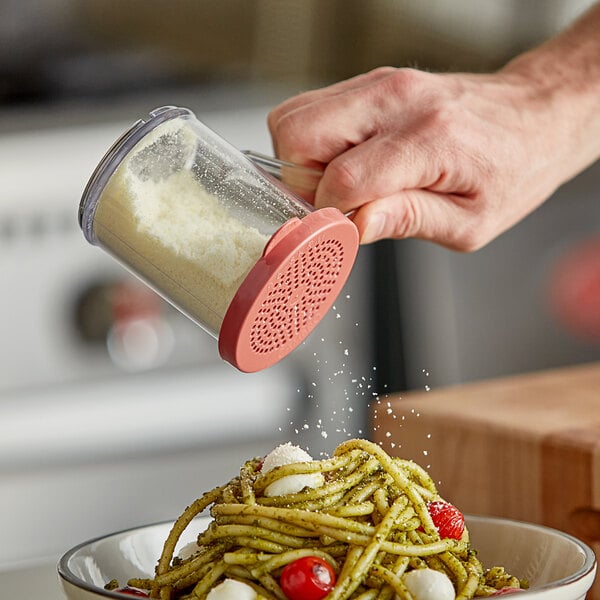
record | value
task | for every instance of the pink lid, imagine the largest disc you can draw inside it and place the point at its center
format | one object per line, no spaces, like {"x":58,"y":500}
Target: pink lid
{"x":300,"y":274}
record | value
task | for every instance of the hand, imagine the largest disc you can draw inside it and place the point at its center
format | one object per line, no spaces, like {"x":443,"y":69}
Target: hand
{"x":452,"y":158}
{"x":456,"y":159}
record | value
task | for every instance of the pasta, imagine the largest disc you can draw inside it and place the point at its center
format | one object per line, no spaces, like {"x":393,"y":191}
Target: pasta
{"x":369,"y":520}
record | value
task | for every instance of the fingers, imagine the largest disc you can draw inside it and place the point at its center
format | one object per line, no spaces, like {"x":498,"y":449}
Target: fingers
{"x":370,"y":140}
{"x":304,"y":99}
{"x":415,"y":154}
{"x":317,"y":136}
{"x":310,"y":96}
{"x":396,"y":156}
{"x":318,"y":125}
{"x":377,"y":168}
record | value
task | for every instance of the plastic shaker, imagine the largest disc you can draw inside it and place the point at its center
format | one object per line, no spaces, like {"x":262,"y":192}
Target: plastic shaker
{"x":212,"y":231}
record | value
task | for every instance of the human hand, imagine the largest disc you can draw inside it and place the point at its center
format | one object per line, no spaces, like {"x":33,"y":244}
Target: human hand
{"x":452,"y":158}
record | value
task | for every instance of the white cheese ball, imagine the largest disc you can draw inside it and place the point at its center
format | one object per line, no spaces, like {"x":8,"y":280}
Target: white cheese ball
{"x":428,"y":584}
{"x":188,"y":550}
{"x":231,"y":589}
{"x":286,"y":454}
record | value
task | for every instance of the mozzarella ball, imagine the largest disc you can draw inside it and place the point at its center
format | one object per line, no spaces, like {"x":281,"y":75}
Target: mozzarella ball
{"x":188,"y":550}
{"x":231,"y":589}
{"x":287,"y":454}
{"x":428,"y":584}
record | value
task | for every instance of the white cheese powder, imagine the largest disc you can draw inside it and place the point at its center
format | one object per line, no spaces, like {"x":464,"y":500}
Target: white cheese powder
{"x":156,"y":216}
{"x":192,"y":223}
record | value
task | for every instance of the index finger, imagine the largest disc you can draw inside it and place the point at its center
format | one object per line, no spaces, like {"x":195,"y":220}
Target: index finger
{"x":299,"y":125}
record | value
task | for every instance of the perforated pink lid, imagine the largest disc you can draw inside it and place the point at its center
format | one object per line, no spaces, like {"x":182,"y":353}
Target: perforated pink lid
{"x":300,"y":274}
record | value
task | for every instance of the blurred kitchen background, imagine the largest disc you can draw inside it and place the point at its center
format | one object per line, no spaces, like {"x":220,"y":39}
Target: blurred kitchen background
{"x":100,"y":429}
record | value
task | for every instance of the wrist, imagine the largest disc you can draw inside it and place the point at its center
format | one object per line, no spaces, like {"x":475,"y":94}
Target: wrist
{"x":561,"y":80}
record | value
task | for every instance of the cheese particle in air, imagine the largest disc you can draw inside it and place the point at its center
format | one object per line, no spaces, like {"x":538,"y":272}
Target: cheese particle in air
{"x":287,"y":454}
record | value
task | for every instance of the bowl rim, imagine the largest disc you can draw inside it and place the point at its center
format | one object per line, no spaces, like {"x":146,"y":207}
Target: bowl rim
{"x":588,"y":567}
{"x":67,"y":575}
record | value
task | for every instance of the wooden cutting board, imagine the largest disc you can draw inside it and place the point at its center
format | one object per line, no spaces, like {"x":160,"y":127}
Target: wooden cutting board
{"x":525,"y":447}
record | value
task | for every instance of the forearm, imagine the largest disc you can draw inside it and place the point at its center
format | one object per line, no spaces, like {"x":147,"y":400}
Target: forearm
{"x":564,"y":74}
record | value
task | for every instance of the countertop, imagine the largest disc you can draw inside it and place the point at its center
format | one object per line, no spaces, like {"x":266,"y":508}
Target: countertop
{"x":31,"y":581}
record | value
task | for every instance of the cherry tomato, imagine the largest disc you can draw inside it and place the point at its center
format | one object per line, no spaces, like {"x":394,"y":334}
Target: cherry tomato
{"x":130,"y":591}
{"x":308,"y":578}
{"x":448,"y":520}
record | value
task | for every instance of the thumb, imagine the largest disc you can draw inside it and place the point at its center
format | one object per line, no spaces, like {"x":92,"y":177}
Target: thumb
{"x":449,"y":220}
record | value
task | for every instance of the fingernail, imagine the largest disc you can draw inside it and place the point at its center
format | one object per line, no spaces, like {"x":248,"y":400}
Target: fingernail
{"x":374,"y":228}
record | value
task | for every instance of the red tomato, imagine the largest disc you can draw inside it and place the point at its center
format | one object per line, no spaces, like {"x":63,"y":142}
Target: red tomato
{"x":448,"y":520}
{"x":308,"y":578}
{"x":507,"y":590}
{"x":132,"y":592}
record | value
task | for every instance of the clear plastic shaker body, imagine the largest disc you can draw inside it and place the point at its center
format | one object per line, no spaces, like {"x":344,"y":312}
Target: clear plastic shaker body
{"x":185,"y":211}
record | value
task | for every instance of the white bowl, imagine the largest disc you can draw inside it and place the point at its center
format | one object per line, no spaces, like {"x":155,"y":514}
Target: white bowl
{"x":557,"y":566}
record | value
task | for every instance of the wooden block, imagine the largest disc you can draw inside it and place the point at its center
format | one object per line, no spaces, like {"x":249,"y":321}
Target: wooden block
{"x":525,"y":447}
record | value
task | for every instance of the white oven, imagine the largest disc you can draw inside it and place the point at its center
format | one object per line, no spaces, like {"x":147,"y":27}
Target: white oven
{"x":100,"y":431}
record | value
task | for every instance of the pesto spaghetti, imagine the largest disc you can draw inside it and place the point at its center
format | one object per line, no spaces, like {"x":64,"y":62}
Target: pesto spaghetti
{"x":367,"y":516}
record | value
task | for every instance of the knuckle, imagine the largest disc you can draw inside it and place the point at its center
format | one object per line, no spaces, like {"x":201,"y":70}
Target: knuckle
{"x":472,"y":238}
{"x":404,"y":80}
{"x":278,"y":123}
{"x":407,"y":221}
{"x":442,"y":118}
{"x":469,"y":243}
{"x":289,"y":136}
{"x":343,"y":177}
{"x":382,"y":71}
{"x":272,"y":119}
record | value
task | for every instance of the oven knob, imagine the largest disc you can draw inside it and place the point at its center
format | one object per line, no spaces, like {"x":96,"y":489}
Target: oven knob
{"x":128,"y":320}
